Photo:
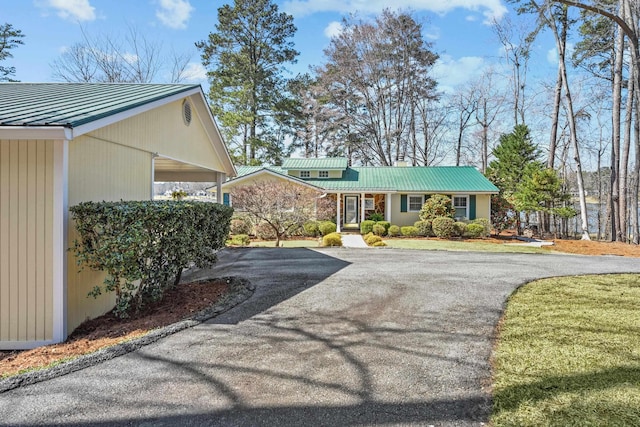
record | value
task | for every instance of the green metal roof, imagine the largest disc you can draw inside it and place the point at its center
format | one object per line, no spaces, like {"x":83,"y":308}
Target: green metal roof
{"x":74,"y":104}
{"x":455,"y":179}
{"x":315,"y":164}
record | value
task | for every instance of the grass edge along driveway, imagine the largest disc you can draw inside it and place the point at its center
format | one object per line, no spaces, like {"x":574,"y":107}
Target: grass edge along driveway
{"x":568,"y":353}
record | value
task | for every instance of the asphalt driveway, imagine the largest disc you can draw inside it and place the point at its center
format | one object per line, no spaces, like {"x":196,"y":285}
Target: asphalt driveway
{"x":331,"y":337}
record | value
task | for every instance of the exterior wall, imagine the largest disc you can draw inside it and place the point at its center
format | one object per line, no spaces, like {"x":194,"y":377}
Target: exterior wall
{"x":483,"y":209}
{"x":26,"y":242}
{"x":163,"y":131}
{"x":100,"y":171}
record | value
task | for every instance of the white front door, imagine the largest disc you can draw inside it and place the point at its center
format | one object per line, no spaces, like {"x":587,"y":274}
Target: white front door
{"x":351,"y":209}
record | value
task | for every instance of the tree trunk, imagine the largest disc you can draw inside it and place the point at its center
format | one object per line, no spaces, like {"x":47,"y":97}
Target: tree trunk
{"x":624,"y":161}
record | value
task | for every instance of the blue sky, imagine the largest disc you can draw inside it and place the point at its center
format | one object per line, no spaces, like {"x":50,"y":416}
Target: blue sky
{"x":458,"y":29}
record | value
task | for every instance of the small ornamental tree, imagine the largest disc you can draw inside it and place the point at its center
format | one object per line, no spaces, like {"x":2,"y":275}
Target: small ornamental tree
{"x":282,"y":206}
{"x":436,"y":206}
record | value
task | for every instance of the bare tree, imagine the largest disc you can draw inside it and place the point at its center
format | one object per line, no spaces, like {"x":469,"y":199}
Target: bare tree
{"x":283,"y":206}
{"x":110,"y":59}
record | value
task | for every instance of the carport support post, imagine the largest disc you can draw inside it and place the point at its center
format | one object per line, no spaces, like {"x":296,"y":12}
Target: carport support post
{"x":387,"y":207}
{"x":338,"y":212}
{"x":362,"y":207}
{"x":219,"y":182}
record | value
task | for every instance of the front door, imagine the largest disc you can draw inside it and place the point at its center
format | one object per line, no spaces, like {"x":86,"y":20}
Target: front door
{"x":351,"y":210}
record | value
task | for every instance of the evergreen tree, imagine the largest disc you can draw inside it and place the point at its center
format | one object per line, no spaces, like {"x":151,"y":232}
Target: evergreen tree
{"x":10,"y":38}
{"x":245,"y":57}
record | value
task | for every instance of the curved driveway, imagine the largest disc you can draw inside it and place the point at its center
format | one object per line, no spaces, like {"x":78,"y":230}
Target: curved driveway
{"x":331,"y":337}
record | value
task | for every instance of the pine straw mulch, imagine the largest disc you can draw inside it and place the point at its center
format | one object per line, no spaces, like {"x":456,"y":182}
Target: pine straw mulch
{"x":180,"y":303}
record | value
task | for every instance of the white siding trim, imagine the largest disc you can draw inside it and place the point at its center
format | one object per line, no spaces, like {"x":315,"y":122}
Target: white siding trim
{"x":60,"y":218}
{"x":26,"y":345}
{"x":338,"y":207}
{"x":35,"y":132}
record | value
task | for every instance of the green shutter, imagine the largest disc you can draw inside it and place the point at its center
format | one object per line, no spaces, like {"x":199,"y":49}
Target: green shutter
{"x":225,"y":199}
{"x":472,"y":206}
{"x":403,"y":203}
{"x":427,"y":197}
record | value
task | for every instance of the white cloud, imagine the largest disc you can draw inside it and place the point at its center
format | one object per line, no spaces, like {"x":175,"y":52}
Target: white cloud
{"x":174,"y":13}
{"x":194,"y":73}
{"x":334,"y":29}
{"x":552,"y":54}
{"x":449,"y":72}
{"x":73,"y":10}
{"x":491,"y":9}
{"x":471,"y":18}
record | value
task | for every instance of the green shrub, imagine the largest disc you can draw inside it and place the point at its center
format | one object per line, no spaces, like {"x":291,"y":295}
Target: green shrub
{"x":424,"y":228}
{"x":409,"y":231}
{"x":459,"y":228}
{"x":240,"y":240}
{"x":380,"y":243}
{"x":475,"y":231}
{"x":379,"y":230}
{"x":375,"y":217}
{"x":437,"y":205}
{"x":326,"y":227}
{"x":443,"y":227}
{"x":486,"y":224}
{"x":311,"y":228}
{"x":371,"y":240}
{"x":240,"y":225}
{"x":178,"y":194}
{"x":385,"y":224}
{"x":394,"y":231}
{"x":332,"y":239}
{"x":366,"y":226}
{"x":150,"y":242}
{"x":265,"y":232}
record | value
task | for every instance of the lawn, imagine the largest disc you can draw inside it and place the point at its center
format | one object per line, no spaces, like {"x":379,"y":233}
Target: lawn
{"x":467,"y":245}
{"x":568,"y":354}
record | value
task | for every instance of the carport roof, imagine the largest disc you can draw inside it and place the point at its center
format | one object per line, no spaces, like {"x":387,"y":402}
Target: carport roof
{"x":74,"y":104}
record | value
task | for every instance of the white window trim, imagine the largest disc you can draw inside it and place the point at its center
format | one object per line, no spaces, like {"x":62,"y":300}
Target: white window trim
{"x":409,"y":196}
{"x":305,"y":174}
{"x":366,"y":205}
{"x":323,"y":177}
{"x":461,"y":196}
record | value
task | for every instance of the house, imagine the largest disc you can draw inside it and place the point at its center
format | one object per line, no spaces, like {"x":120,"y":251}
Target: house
{"x":66,"y":143}
{"x":396,"y":192}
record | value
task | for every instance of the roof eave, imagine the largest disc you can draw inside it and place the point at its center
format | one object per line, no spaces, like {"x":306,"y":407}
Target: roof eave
{"x":36,"y":132}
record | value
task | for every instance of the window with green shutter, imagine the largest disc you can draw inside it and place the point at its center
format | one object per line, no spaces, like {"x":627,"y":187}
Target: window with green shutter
{"x":472,"y":206}
{"x":403,"y":203}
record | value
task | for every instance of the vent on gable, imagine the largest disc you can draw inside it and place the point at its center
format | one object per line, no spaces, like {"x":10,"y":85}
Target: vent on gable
{"x":186,"y":112}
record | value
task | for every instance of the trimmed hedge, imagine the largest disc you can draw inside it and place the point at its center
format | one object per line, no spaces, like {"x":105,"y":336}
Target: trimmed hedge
{"x":394,"y":231}
{"x":146,"y":241}
{"x":311,"y":228}
{"x":424,"y":228}
{"x":379,"y":230}
{"x":332,"y":239}
{"x":475,"y":231}
{"x":240,"y":240}
{"x":241,"y":225}
{"x":366,"y":226}
{"x":443,"y":227}
{"x":459,"y":228}
{"x":327,"y":227}
{"x":486,"y":224}
{"x":409,"y":231}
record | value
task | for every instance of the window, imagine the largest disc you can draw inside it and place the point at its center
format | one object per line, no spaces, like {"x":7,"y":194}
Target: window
{"x":368,"y":204}
{"x":304,"y":174}
{"x":323,"y":174}
{"x":415,"y":203}
{"x":460,"y":204}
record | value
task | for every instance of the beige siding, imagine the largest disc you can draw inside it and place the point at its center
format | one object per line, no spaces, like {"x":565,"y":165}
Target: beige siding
{"x":100,"y":171}
{"x":333,"y":173}
{"x":163,"y":131}
{"x":26,"y":246}
{"x":483,"y":206}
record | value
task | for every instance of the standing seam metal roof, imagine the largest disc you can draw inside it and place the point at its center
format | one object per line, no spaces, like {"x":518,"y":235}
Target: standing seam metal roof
{"x":463,"y":179}
{"x":75,"y":104}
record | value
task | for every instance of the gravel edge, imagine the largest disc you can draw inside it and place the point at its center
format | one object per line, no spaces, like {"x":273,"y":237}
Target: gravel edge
{"x":241,"y":290}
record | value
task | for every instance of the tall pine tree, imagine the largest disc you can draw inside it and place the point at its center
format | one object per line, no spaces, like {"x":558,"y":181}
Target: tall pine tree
{"x":246,"y":56}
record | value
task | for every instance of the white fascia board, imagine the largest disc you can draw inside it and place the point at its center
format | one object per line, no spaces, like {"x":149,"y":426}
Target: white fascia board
{"x":220,"y":149}
{"x":36,"y":132}
{"x":114,"y":118}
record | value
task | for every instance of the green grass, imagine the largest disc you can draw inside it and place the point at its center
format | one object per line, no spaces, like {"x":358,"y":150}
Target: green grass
{"x":287,"y":244}
{"x":568,"y":354}
{"x":444,"y":245}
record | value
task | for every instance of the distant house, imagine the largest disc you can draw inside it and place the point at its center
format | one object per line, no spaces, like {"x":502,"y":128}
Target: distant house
{"x":62,"y":144}
{"x":396,"y":192}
